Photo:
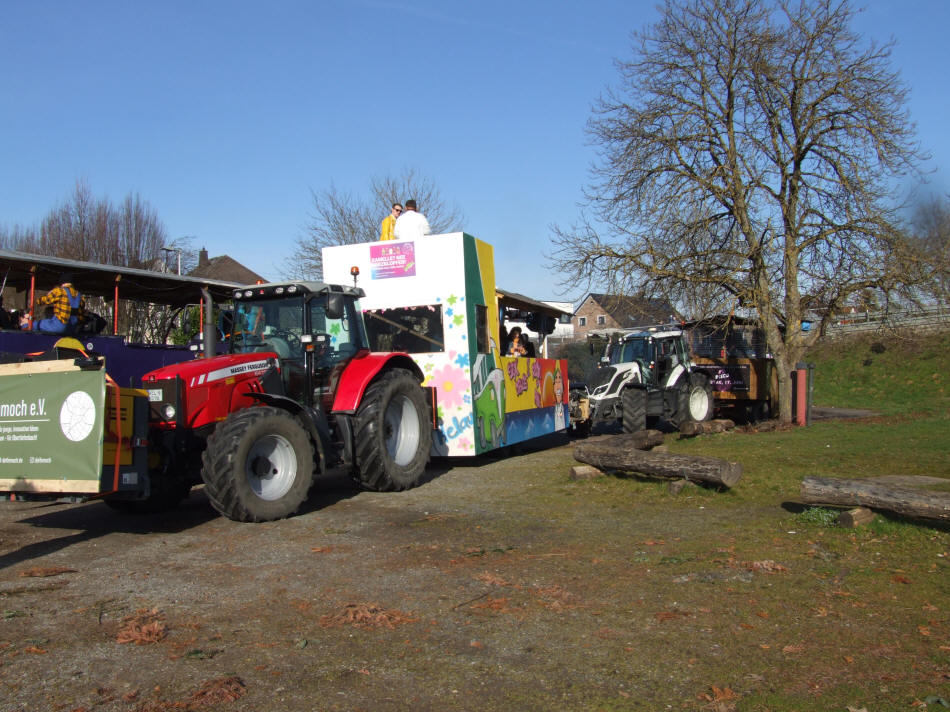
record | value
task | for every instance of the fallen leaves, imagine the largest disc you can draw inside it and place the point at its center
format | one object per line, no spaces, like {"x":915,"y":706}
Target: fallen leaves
{"x":143,"y":627}
{"x":45,"y":571}
{"x":720,"y":699}
{"x":670,"y":615}
{"x":212,"y":692}
{"x":766,"y":567}
{"x":223,"y":689}
{"x":491,"y":579}
{"x":499,"y":605}
{"x":366,"y":616}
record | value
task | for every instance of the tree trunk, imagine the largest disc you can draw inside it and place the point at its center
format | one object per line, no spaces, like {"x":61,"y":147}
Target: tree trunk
{"x":691,"y":427}
{"x":784,"y":371}
{"x":607,"y":454}
{"x":905,"y":501}
{"x":640,"y":440}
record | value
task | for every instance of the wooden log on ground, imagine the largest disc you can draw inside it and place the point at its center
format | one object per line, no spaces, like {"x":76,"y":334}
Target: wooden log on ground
{"x":856,"y":517}
{"x":691,"y":428}
{"x":585,"y":472}
{"x":642,"y":440}
{"x":677,"y":486}
{"x":906,"y":501}
{"x":617,"y":454}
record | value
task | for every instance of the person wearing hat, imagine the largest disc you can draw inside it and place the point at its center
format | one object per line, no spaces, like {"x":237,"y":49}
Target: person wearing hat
{"x":412,"y":224}
{"x":67,"y":306}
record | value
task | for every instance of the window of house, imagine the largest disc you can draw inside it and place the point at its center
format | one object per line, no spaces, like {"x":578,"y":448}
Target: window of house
{"x":601,"y":319}
{"x":582,"y":321}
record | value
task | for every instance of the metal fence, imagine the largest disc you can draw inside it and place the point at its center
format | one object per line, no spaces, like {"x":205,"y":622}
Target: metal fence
{"x":932,"y":317}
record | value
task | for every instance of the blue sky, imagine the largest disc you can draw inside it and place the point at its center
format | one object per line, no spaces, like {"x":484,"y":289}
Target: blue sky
{"x":224,"y":115}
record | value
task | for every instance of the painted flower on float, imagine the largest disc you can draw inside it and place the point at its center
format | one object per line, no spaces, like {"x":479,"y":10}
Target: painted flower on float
{"x":451,"y":382}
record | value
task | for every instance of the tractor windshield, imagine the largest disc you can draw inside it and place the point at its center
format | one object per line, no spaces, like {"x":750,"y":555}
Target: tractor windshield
{"x":278,"y":325}
{"x":268,"y":325}
{"x":632,"y":350}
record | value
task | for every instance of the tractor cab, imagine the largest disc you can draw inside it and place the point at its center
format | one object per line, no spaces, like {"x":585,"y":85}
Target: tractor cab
{"x":313,"y":328}
{"x":657,"y":351}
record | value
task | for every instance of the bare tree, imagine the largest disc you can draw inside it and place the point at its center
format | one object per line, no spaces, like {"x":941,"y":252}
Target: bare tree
{"x":931,"y":228}
{"x":340,"y":218}
{"x":749,"y":150}
{"x":94,"y":230}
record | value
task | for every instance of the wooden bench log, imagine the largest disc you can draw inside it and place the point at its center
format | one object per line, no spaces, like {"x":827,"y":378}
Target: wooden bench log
{"x":617,"y":454}
{"x":906,"y":501}
{"x":692,"y":428}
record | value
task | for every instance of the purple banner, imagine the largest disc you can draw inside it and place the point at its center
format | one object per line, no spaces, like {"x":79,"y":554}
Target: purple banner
{"x":392,"y":259}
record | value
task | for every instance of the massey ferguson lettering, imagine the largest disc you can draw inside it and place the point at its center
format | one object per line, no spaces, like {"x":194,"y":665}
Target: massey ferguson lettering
{"x":238,"y":369}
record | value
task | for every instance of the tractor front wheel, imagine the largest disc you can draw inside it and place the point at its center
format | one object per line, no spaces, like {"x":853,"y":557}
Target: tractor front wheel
{"x":695,"y":399}
{"x":633,"y":403}
{"x":258,"y":465}
{"x":393,"y":433}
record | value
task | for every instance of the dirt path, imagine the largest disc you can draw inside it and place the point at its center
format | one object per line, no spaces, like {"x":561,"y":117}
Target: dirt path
{"x":497,"y":585}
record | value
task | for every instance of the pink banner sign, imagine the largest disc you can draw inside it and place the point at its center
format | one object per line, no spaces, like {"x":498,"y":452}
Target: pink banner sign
{"x":392,"y":259}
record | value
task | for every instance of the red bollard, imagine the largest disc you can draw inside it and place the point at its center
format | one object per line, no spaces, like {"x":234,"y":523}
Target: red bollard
{"x":801,"y":396}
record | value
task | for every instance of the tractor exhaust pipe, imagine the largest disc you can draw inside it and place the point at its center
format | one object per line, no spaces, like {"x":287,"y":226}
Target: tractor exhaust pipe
{"x":210,"y":331}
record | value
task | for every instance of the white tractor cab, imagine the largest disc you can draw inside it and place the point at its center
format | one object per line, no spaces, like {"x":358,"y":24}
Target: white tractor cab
{"x":645,"y":375}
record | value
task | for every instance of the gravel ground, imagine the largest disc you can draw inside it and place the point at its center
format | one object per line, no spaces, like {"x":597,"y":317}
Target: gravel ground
{"x":499,"y":584}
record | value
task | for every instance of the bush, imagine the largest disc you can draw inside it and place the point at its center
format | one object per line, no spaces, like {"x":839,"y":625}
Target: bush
{"x":581,"y":363}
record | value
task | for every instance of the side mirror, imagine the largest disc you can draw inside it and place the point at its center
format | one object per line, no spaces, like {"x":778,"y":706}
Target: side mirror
{"x":334,"y":305}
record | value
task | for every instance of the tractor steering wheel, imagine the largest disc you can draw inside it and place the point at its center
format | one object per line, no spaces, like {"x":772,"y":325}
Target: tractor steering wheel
{"x":292,"y":339}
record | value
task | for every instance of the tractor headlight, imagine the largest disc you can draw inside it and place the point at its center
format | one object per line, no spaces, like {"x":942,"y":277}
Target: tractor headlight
{"x":169,"y":412}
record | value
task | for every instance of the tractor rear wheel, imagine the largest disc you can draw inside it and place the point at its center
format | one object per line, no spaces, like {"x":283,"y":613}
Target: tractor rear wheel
{"x":695,"y":399}
{"x":258,"y":465}
{"x":633,"y":403}
{"x":393,"y":433}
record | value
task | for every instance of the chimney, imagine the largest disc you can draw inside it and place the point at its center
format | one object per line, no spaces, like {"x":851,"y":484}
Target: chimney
{"x":202,"y":258}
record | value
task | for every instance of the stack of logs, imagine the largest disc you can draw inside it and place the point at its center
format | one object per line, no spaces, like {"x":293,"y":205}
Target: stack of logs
{"x":639,"y":453}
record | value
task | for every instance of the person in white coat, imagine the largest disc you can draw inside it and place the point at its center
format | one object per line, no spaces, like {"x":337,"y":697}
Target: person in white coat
{"x":411,"y":224}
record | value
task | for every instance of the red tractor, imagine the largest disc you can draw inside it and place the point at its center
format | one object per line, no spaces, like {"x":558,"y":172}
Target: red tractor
{"x":298,"y":394}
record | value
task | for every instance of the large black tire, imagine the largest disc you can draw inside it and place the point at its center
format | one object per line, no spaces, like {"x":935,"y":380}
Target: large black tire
{"x":393,"y":433}
{"x":633,"y":403}
{"x":694,"y":400}
{"x":258,"y":465}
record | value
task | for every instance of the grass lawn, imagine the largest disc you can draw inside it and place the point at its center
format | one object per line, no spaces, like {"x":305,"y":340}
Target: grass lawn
{"x":886,"y":586}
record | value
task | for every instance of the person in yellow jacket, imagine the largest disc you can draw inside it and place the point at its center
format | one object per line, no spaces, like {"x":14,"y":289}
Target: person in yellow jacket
{"x":67,"y":306}
{"x":389,"y":223}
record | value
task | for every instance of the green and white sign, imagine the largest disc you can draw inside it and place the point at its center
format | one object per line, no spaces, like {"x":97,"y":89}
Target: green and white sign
{"x":51,"y":427}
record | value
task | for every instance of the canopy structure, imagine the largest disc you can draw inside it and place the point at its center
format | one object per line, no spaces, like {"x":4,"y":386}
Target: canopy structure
{"x":23,"y":271}
{"x":514,"y":302}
